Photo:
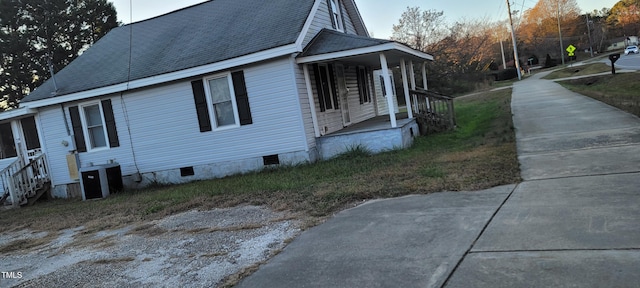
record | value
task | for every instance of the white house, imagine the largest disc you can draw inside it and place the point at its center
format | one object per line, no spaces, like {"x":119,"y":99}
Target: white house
{"x":218,"y":88}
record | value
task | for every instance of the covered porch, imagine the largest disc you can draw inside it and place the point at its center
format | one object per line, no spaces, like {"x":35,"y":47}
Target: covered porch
{"x":24,"y":173}
{"x":360,"y":68}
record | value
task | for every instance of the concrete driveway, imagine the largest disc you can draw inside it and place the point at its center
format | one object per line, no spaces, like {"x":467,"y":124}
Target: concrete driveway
{"x":573,"y":222}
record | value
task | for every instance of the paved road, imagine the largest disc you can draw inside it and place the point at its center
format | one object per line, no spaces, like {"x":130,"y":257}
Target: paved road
{"x":573,"y":222}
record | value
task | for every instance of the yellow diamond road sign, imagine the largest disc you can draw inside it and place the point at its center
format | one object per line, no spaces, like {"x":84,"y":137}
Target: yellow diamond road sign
{"x":571,"y":49}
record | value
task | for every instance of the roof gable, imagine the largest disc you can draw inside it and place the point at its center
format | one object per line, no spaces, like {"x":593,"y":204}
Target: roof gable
{"x":330,"y":41}
{"x":202,"y":34}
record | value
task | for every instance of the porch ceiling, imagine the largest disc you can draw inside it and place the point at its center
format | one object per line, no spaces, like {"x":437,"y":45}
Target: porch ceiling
{"x":330,"y":45}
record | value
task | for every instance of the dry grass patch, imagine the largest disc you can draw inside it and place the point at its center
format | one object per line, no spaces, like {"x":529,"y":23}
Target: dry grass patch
{"x":582,"y":70}
{"x":620,"y":90}
{"x":22,"y":245}
{"x":479,"y":154}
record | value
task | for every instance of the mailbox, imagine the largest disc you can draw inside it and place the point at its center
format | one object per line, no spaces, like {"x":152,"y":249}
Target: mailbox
{"x":614,"y":58}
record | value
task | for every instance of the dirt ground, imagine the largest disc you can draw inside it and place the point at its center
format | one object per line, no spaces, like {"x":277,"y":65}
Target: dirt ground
{"x":191,"y":249}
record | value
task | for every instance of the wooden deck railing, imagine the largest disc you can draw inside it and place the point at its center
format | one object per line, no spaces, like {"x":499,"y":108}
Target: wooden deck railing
{"x":6,"y":176}
{"x":23,"y":181}
{"x":435,"y":112}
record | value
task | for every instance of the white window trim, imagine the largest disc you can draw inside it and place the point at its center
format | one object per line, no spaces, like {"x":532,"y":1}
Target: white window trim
{"x":337,"y":18}
{"x":331,"y":92}
{"x":85,"y":127}
{"x":212,"y":113}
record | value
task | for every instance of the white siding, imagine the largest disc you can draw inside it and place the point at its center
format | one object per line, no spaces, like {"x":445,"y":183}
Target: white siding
{"x":53,"y":132}
{"x":381,"y":100}
{"x":348,"y":24}
{"x":322,"y":19}
{"x":359,"y":112}
{"x":166,"y":134}
{"x":330,"y":121}
{"x":307,"y":118}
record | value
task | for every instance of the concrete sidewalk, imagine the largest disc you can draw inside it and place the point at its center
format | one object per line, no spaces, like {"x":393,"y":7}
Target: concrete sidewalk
{"x":573,"y":222}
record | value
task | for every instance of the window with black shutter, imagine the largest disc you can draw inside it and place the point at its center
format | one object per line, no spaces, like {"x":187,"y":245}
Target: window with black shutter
{"x":363,"y":87}
{"x":325,"y":86}
{"x":222,"y":101}
{"x":94,"y":126}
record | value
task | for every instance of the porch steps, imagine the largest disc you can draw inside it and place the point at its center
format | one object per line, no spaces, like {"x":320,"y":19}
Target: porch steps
{"x":4,"y":197}
{"x":45,"y":189}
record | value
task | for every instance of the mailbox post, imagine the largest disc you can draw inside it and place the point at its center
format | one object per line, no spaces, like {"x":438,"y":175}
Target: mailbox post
{"x":614,"y":58}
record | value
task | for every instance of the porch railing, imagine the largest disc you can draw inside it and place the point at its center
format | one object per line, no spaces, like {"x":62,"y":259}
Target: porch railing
{"x":6,"y":176}
{"x":24,"y":181}
{"x":435,"y":112}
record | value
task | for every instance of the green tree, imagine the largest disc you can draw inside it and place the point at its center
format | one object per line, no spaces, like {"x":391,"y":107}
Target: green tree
{"x":34,"y":33}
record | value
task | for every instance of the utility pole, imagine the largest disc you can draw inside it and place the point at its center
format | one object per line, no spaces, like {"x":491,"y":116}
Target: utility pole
{"x":504,"y":62}
{"x":589,"y":33}
{"x":515,"y":46}
{"x":560,"y":32}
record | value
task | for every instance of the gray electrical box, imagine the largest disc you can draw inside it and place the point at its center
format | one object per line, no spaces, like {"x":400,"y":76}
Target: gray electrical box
{"x":101,"y":180}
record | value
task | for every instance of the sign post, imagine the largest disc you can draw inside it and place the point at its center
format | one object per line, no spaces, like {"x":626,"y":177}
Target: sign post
{"x":571,"y":50}
{"x":614,"y":58}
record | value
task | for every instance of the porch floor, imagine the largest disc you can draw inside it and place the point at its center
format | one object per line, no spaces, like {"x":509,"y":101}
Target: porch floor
{"x":376,"y":123}
{"x":375,"y":135}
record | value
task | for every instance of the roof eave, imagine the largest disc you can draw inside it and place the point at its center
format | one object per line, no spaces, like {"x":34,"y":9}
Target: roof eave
{"x":168,"y":77}
{"x":393,"y":46}
{"x":17,"y":113}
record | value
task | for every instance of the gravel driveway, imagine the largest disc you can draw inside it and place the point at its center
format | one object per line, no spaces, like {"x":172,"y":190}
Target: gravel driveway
{"x":191,"y":249}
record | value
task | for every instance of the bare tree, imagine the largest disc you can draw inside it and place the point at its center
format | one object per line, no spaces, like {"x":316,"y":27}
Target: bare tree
{"x":420,"y":29}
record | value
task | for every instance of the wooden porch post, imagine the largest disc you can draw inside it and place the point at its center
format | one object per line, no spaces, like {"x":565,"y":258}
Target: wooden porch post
{"x":405,"y":85}
{"x":312,"y":103}
{"x":424,"y":76}
{"x":412,"y":76}
{"x":388,"y":90}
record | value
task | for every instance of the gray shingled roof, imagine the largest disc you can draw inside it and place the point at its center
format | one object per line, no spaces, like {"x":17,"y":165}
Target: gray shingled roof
{"x":202,"y":34}
{"x":330,"y":41}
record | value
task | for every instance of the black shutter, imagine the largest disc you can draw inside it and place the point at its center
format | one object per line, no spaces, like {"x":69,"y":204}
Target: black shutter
{"x":334,"y":89}
{"x":78,"y":135}
{"x":316,"y":73}
{"x":333,"y":21}
{"x":201,"y":105}
{"x":110,"y":122}
{"x":242,"y":98}
{"x":361,"y":85}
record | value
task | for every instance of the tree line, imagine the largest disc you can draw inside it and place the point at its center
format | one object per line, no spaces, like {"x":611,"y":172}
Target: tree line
{"x":465,"y":50}
{"x":38,"y":37}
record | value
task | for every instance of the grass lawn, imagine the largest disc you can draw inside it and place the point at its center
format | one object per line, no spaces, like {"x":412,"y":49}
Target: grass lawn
{"x":480,"y":154}
{"x":579,"y":71}
{"x":621,"y":90}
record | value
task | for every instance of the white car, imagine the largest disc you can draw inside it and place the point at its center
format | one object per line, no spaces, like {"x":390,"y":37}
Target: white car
{"x":631,"y":49}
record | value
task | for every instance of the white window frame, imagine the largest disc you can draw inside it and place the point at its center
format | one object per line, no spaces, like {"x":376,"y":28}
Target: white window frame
{"x":85,"y":127}
{"x":336,"y":14}
{"x":212,"y":112}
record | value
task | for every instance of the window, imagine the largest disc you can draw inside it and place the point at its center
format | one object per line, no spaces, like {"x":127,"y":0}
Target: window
{"x":220,"y":91}
{"x":94,"y":125}
{"x":7,"y":144}
{"x":30,"y":131}
{"x":225,"y":97}
{"x":336,"y":17}
{"x":363,"y":87}
{"x":325,"y":87}
{"x":95,"y":120}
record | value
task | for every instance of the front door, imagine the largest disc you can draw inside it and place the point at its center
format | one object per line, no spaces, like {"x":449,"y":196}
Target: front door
{"x":343,"y":94}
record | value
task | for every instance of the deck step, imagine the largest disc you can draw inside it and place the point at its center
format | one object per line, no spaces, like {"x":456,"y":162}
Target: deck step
{"x":46,"y":188}
{"x":4,"y":197}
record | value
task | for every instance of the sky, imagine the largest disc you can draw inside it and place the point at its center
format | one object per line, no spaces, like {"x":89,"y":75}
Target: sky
{"x":378,"y":15}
